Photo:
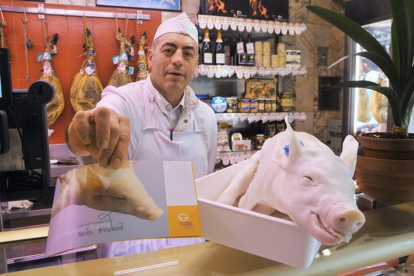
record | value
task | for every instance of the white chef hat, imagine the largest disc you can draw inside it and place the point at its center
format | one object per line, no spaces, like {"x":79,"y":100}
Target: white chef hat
{"x":180,"y":24}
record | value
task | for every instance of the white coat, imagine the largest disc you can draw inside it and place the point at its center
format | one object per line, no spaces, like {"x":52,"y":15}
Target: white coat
{"x":194,"y":138}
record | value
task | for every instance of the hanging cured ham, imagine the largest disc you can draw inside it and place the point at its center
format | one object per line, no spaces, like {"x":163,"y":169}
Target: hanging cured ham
{"x":142,"y":65}
{"x":3,"y":43}
{"x":121,"y":75}
{"x":379,"y":103}
{"x":86,"y":87}
{"x":55,"y":107}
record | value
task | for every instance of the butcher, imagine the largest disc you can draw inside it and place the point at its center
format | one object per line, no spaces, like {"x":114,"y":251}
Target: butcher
{"x":159,"y":118}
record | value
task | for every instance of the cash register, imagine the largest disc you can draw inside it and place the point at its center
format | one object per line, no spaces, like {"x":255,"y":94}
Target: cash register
{"x":24,"y":145}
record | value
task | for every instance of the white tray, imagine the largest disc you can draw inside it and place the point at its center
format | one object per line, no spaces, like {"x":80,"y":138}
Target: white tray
{"x":266,"y":236}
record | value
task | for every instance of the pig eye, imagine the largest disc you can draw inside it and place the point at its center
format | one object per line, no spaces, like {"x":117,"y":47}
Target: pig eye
{"x":121,"y":199}
{"x":308,"y":177}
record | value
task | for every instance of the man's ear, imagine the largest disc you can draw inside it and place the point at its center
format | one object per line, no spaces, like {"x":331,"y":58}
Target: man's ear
{"x":149,"y":58}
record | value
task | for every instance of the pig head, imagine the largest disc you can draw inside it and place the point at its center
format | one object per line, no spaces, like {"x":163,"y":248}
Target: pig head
{"x":106,"y":189}
{"x":300,"y":176}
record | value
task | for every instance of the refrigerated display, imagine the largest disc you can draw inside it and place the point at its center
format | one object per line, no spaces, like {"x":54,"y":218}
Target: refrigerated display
{"x":368,"y":110}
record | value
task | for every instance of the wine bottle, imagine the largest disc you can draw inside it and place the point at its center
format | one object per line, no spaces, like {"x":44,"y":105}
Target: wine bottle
{"x":250,"y":51}
{"x":219,"y":55}
{"x":200,"y":49}
{"x":241,"y":51}
{"x":233,"y":52}
{"x":227,"y":52}
{"x":207,"y":49}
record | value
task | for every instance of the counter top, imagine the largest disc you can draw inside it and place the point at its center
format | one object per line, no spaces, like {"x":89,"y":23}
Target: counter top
{"x":387,"y":234}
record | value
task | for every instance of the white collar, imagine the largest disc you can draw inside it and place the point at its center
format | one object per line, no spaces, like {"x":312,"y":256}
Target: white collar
{"x":166,"y":106}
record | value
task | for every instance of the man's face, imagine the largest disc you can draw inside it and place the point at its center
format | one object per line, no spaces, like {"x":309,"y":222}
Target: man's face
{"x":172,"y":63}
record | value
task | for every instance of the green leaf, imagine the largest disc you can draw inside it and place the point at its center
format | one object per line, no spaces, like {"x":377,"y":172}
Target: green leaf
{"x":352,"y":84}
{"x":395,"y":50}
{"x":408,"y":89}
{"x":393,"y":101}
{"x":387,"y":68}
{"x":402,"y":34}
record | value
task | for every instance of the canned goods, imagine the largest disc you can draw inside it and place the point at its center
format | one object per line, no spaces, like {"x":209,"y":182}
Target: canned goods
{"x":275,"y":61}
{"x":258,"y":47}
{"x":261,"y":105}
{"x":286,"y":102}
{"x":259,"y":60}
{"x":254,"y":106}
{"x":266,"y":60}
{"x":282,"y":62}
{"x":281,"y":49}
{"x":231,"y":105}
{"x":244,"y":105}
{"x":268,"y":105}
{"x":266,"y":48}
{"x":259,"y":141}
{"x":274,"y":105}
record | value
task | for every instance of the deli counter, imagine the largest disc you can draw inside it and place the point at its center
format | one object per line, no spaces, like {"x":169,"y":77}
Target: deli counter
{"x":385,"y":242}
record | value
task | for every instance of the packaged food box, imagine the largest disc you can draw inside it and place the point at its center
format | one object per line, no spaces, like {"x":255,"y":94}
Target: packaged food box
{"x":242,"y":145}
{"x":259,"y":88}
{"x":270,"y":237}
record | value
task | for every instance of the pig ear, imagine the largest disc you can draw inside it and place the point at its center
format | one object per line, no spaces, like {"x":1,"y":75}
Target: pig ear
{"x":96,"y":183}
{"x":349,"y":152}
{"x":291,"y":152}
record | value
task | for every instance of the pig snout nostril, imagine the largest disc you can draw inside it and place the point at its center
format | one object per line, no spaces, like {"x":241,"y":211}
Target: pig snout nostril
{"x":349,"y":221}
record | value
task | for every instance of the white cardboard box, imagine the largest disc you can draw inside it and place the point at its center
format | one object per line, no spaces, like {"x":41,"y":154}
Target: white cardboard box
{"x":266,"y":236}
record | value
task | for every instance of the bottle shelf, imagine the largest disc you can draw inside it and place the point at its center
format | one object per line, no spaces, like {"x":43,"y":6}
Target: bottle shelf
{"x":249,"y":25}
{"x":234,"y":157}
{"x":246,"y":72}
{"x":234,"y":118}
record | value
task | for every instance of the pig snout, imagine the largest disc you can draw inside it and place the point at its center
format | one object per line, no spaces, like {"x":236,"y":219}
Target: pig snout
{"x":342,"y":221}
{"x":348,"y":221}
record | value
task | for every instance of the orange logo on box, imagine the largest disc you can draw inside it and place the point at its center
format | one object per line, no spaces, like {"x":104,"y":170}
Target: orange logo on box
{"x":184,"y":221}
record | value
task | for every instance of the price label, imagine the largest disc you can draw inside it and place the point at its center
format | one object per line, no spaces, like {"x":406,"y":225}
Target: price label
{"x":210,"y":25}
{"x":270,"y":28}
{"x":298,"y":29}
{"x":291,"y":29}
{"x":257,"y":26}
{"x":262,"y":71}
{"x":303,"y":27}
{"x":233,"y":24}
{"x":217,"y":25}
{"x":202,"y":21}
{"x":277,"y":28}
{"x":241,"y":25}
{"x":264,"y":27}
{"x":284,"y":28}
{"x":203,"y":70}
{"x":225,"y":24}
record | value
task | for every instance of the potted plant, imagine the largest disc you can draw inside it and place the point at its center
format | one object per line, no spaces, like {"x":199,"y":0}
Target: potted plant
{"x":380,"y":173}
